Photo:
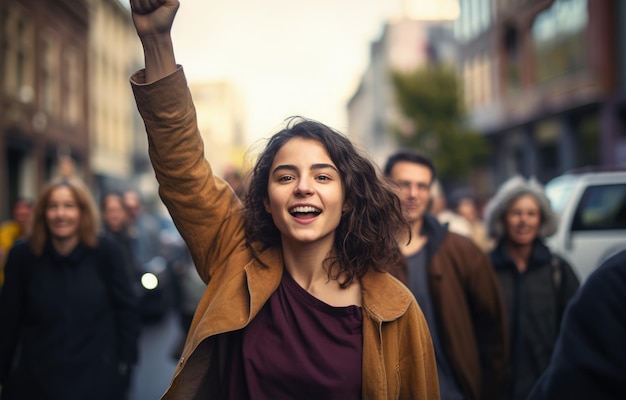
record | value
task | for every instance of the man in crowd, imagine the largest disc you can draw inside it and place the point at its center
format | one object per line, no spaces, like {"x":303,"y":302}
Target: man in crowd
{"x":456,"y":287}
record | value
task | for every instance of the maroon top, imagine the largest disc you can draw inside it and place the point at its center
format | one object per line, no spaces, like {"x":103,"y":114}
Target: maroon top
{"x":299,"y":347}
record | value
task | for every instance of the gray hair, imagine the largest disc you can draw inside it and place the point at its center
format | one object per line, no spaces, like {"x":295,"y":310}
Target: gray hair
{"x":508,"y":192}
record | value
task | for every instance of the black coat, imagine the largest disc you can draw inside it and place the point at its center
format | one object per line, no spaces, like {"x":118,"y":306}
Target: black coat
{"x":74,"y":319}
{"x":534,"y":307}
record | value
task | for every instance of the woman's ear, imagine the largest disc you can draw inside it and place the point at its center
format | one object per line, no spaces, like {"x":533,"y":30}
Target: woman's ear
{"x":346,"y":207}
{"x":266,"y":203}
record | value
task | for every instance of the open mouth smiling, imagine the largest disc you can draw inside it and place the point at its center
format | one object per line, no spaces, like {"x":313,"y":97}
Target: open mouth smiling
{"x":305,"y":211}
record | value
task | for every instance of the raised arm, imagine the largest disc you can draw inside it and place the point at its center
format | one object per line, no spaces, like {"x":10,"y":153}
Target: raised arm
{"x":204,"y":208}
{"x":153,"y":21}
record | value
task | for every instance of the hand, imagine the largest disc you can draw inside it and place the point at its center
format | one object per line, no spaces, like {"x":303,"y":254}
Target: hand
{"x":153,"y":17}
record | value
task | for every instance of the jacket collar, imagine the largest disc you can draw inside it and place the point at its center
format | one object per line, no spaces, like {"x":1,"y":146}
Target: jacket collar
{"x":384,"y":297}
{"x":539,"y":256}
{"x":263,"y":276}
{"x":382,"y":294}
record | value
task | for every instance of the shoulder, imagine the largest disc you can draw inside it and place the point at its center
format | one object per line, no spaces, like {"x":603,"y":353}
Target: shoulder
{"x":608,"y":279}
{"x":385,"y":296}
{"x":105,"y":241}
{"x":461,"y":246}
{"x":106,"y":245}
{"x":22,"y":248}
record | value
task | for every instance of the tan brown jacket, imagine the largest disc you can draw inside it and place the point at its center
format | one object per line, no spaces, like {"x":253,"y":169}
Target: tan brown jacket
{"x":469,"y":308}
{"x":398,"y":357}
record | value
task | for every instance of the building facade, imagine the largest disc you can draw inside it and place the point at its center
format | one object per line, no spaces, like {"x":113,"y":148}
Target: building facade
{"x":43,"y":94}
{"x":404,"y":45}
{"x":221,"y":119}
{"x":118,"y":144}
{"x":66,"y":106}
{"x":544,"y":82}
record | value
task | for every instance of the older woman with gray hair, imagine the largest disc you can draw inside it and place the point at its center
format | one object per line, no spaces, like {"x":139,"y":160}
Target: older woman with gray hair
{"x":536,"y":284}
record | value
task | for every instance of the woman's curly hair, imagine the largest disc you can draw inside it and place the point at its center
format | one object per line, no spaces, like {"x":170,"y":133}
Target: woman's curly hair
{"x":366,"y":235}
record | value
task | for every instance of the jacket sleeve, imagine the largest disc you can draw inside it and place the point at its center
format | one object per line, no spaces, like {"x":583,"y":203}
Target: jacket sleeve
{"x":124,"y":301}
{"x":204,"y":208}
{"x":486,"y":303}
{"x":12,"y":307}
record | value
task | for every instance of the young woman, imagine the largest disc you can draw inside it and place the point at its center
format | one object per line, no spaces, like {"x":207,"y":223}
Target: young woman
{"x":536,"y":284}
{"x":67,"y":305}
{"x":297,"y":303}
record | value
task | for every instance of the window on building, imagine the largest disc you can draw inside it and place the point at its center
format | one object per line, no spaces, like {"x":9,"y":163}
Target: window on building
{"x":513,"y":64}
{"x":588,"y":140}
{"x":559,"y":39}
{"x":72,"y":107}
{"x":50,"y":79}
{"x":16,"y":54}
{"x":547,"y":140}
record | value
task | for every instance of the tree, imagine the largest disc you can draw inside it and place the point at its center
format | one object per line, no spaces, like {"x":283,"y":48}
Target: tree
{"x":430,"y":100}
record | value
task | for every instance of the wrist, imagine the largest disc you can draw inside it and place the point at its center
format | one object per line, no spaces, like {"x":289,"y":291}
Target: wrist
{"x":159,"y":56}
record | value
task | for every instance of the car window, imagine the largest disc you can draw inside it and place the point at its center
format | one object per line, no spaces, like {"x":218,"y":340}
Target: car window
{"x":558,"y":191}
{"x":601,"y":207}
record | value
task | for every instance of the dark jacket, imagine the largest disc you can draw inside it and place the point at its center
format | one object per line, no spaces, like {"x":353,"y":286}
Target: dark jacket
{"x":535,"y":301}
{"x":469,"y":309}
{"x":398,"y":356}
{"x":589,"y":360}
{"x":74,"y":318}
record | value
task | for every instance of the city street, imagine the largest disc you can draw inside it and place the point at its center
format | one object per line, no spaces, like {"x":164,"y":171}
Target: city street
{"x":156,"y":366}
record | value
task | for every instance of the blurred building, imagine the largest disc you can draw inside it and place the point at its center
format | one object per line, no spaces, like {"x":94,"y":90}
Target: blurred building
{"x":118,"y":144}
{"x":65,"y":100}
{"x":221,"y":122}
{"x":544,"y":81}
{"x":405,"y":44}
{"x":43,"y":94}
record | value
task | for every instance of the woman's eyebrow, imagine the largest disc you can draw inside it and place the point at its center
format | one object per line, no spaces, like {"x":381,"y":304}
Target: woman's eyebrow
{"x":290,"y":167}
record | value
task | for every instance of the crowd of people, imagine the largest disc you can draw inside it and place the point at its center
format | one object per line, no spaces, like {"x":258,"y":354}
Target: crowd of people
{"x":318,"y":275}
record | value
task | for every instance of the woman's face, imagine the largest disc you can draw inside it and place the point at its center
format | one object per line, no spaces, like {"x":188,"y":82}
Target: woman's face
{"x":523,"y":220}
{"x":114,"y":213}
{"x":305,"y":193}
{"x":62,"y":214}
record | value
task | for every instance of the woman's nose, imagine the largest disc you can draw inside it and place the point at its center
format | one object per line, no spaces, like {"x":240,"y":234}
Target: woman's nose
{"x":303,"y":187}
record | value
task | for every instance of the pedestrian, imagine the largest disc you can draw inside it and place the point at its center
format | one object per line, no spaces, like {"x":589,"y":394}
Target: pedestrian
{"x":455,"y":286}
{"x":465,"y":204}
{"x":115,"y":224}
{"x":589,"y":359}
{"x":144,"y":228}
{"x":444,"y":214}
{"x":18,"y":227}
{"x":536,"y":284}
{"x":69,"y":320}
{"x":297,"y":303}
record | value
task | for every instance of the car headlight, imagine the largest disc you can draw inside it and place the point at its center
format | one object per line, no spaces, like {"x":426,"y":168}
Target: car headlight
{"x":149,"y":281}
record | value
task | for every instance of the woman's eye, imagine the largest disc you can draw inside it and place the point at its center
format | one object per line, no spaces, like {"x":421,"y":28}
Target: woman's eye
{"x":323,"y":178}
{"x":285,"y":178}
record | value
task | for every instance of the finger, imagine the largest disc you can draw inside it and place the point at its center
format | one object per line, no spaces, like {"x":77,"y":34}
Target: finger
{"x":145,"y":6}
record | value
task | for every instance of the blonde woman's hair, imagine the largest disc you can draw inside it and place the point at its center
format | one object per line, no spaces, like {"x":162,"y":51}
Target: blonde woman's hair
{"x":89,"y":219}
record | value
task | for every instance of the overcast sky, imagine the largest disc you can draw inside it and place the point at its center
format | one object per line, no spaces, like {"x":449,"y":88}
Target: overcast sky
{"x":287,"y":57}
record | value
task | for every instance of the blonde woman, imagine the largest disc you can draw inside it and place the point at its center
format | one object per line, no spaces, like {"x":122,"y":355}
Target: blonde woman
{"x":67,"y":304}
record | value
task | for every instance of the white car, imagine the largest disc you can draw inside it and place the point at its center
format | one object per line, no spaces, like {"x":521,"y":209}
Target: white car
{"x":592,"y":211}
